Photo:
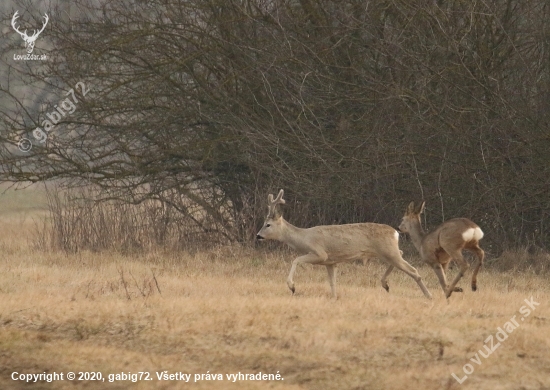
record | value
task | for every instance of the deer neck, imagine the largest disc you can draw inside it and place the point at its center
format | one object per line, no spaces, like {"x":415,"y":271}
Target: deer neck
{"x":292,"y":236}
{"x":417,"y":234}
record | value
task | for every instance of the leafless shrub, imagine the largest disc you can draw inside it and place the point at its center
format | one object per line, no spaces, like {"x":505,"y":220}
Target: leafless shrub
{"x":522,"y":260}
{"x":79,"y":220}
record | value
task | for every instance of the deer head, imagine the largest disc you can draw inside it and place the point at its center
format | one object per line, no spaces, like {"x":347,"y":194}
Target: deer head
{"x":411,"y":219}
{"x":29,"y":40}
{"x":273,"y":221}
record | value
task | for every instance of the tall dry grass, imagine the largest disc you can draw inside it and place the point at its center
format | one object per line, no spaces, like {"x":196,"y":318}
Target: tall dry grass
{"x":78,"y":220}
{"x":227,"y":309}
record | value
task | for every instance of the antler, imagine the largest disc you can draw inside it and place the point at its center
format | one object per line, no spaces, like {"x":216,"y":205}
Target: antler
{"x":24,"y":35}
{"x":36,"y":34}
{"x":272,"y":203}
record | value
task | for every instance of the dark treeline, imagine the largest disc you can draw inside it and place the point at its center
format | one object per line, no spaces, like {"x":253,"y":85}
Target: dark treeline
{"x":355,"y":108}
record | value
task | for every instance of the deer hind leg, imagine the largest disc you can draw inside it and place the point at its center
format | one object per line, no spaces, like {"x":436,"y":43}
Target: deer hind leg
{"x":400,"y":263}
{"x":480,"y":256}
{"x":463,"y":264}
{"x":310,"y":258}
{"x":384,"y":282}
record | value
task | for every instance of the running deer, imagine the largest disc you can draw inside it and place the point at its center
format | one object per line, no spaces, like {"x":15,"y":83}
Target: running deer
{"x":444,"y":244}
{"x":333,"y":244}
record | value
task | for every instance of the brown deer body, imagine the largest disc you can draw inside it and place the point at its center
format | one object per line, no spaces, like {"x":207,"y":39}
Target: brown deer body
{"x":444,"y":244}
{"x":333,"y":244}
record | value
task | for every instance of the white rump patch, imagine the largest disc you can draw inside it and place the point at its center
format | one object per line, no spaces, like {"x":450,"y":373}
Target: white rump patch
{"x":396,"y":236}
{"x":472,"y":234}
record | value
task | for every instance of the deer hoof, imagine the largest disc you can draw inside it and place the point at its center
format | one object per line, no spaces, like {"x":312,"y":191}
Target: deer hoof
{"x":474,"y":287}
{"x":457,"y":289}
{"x":387,"y":287}
{"x":293,"y":290}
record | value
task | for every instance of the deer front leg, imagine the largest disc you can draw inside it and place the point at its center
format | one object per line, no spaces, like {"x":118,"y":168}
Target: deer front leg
{"x":311,"y":258}
{"x":445,"y":269}
{"x":440,"y":272}
{"x":331,"y":270}
{"x":384,"y":281}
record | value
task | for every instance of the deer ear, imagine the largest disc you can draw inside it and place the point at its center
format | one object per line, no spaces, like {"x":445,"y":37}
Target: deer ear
{"x":410,"y":208}
{"x":420,"y":209}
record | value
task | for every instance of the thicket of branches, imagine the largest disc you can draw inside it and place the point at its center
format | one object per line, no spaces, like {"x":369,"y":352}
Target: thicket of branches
{"x":355,"y":108}
{"x":77,"y":222}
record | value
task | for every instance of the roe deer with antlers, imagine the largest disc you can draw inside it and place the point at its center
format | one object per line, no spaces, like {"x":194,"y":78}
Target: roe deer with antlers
{"x":444,"y":244}
{"x":329,"y":245}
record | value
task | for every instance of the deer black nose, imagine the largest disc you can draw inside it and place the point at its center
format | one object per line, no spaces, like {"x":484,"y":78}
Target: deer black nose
{"x":258,"y":237}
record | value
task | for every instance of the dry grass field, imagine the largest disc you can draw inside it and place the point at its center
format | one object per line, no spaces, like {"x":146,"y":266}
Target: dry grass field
{"x":228,"y":310}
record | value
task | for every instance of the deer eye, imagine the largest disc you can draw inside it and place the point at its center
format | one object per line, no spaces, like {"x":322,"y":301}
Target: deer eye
{"x":267,"y":225}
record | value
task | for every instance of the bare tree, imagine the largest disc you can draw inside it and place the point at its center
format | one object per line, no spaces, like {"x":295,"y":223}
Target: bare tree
{"x":354,"y":107}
